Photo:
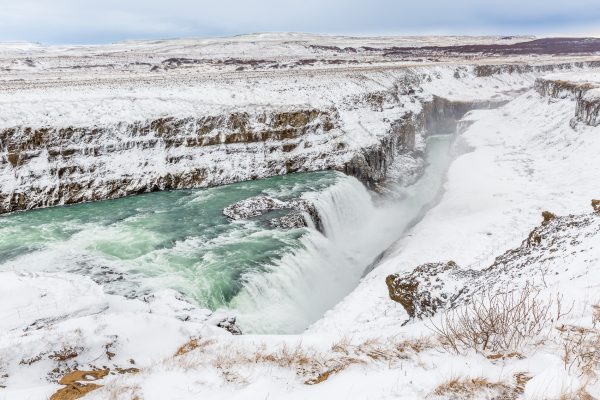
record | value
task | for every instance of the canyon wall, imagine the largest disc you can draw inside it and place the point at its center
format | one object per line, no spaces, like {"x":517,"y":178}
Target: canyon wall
{"x":361,"y":133}
{"x":586,"y":95}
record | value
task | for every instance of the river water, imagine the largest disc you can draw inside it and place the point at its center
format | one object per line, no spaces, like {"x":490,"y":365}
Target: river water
{"x":274,"y":280}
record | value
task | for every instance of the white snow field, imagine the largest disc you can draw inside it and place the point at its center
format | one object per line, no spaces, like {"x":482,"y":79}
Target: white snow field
{"x":529,"y":144}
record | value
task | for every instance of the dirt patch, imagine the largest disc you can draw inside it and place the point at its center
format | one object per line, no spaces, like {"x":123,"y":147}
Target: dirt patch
{"x":548,"y":216}
{"x":596,"y":205}
{"x":74,"y":388}
{"x":74,"y":391}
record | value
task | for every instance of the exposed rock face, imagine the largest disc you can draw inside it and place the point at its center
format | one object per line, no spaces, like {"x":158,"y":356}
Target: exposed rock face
{"x":560,"y":89}
{"x":588,"y":108}
{"x":442,"y":115}
{"x":289,"y":221}
{"x":303,"y":213}
{"x":229,"y":325}
{"x":548,"y":216}
{"x":365,"y":132}
{"x":430,"y":288}
{"x":585,"y":94}
{"x":370,"y":166}
{"x":51,"y":166}
{"x":55,"y":166}
{"x":421,"y":292}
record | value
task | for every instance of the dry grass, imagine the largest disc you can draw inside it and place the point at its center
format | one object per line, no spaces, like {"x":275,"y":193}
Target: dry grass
{"x":193,"y":344}
{"x":310,"y":365}
{"x":304,"y":361}
{"x":122,"y":393}
{"x":596,"y":316}
{"x":471,"y":388}
{"x":505,"y":356}
{"x":581,"y":394}
{"x":581,"y":347}
{"x":66,"y":353}
{"x":521,"y":380}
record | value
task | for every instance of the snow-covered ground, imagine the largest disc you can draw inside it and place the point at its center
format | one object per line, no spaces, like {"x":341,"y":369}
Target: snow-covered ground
{"x":515,"y":161}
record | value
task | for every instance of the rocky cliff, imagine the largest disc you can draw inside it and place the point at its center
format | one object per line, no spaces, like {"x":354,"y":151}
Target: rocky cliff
{"x":49,"y":166}
{"x":585,"y":93}
{"x":94,"y":137}
{"x":539,"y":260}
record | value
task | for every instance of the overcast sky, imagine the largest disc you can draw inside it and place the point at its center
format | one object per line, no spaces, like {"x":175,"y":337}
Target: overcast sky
{"x":103,"y":21}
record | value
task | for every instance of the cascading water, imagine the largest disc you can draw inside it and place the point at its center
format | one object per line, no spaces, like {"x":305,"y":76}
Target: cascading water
{"x":275,"y":281}
{"x":303,"y":284}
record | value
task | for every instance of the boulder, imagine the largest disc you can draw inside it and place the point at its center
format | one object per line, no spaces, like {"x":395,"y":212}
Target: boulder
{"x":229,"y":325}
{"x":302,"y":212}
{"x":423,"y":291}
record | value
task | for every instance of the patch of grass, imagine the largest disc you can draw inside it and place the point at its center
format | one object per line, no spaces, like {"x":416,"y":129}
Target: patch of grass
{"x":66,"y":353}
{"x":472,"y":388}
{"x":315,"y":367}
{"x":192,"y":345}
{"x":581,"y":347}
{"x":580,"y":394}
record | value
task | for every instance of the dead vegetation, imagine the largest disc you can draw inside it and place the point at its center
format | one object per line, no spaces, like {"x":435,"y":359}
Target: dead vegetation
{"x":66,"y":353}
{"x":480,"y":387}
{"x":498,"y":323}
{"x":580,"y":347}
{"x":471,"y":388}
{"x":127,"y":392}
{"x":580,"y":394}
{"x":309,"y":364}
{"x":193,"y":344}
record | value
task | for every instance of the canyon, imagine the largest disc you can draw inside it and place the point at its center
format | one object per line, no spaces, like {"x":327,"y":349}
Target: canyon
{"x":388,"y":180}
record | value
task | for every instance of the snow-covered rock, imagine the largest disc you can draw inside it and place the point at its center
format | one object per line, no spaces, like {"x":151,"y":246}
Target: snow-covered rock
{"x":301,"y":212}
{"x":539,"y":260}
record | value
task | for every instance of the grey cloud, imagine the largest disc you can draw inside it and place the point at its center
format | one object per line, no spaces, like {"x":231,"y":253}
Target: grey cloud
{"x":80,"y":21}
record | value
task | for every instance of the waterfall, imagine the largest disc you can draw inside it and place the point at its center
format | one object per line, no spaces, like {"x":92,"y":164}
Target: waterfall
{"x":304,"y":284}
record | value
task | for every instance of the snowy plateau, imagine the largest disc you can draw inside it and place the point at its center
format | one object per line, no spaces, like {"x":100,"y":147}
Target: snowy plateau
{"x":450,"y":250}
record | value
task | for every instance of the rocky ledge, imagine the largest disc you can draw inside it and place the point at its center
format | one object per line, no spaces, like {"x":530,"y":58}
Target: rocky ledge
{"x":585,"y":93}
{"x":302,"y":213}
{"x":539,"y":259}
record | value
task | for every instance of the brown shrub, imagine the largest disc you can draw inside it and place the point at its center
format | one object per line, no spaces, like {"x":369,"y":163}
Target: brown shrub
{"x":495,"y":322}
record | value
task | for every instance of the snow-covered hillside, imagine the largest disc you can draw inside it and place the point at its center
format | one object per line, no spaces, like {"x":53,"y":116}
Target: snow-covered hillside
{"x":91,"y":123}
